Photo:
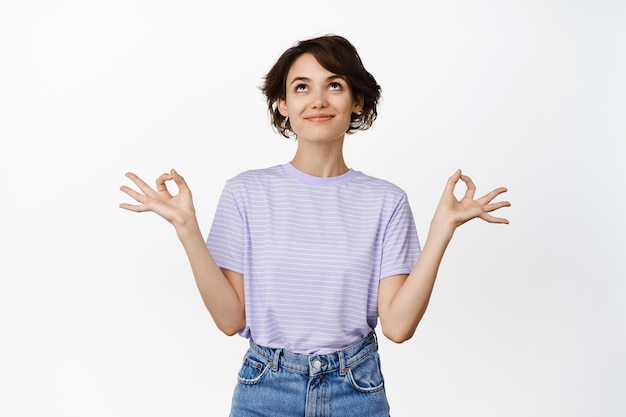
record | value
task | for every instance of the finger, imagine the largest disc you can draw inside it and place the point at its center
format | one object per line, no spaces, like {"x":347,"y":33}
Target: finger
{"x":491,"y":219}
{"x":452,"y":182}
{"x":134,"y":194}
{"x":140,"y":183}
{"x":495,"y":206}
{"x":179,"y":181}
{"x":471,"y":187}
{"x":491,"y":195}
{"x":134,"y":207}
{"x":160,"y":182}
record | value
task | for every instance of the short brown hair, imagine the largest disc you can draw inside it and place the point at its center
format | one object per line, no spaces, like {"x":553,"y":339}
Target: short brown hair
{"x":337,"y":55}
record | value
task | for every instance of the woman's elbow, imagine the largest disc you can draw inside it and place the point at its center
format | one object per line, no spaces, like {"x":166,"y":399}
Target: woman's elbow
{"x":232,"y":328}
{"x":398,"y":335}
{"x":228,"y":331}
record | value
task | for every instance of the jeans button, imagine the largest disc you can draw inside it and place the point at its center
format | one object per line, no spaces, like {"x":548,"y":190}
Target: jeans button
{"x":317,"y":364}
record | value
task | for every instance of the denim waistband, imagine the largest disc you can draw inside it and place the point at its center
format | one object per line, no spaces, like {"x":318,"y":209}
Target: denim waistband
{"x":316,"y":364}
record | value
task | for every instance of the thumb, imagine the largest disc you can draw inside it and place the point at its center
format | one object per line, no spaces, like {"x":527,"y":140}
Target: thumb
{"x":179,"y":180}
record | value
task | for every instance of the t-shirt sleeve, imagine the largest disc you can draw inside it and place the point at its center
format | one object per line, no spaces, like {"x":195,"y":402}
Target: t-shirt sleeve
{"x":401,"y":247}
{"x":226,"y":237}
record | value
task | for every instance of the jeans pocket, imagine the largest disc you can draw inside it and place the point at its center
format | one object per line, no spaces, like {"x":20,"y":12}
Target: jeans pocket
{"x":366,"y":375}
{"x":253,"y":369}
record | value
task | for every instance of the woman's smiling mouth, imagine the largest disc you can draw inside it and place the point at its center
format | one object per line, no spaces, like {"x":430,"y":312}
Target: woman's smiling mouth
{"x":319,"y":117}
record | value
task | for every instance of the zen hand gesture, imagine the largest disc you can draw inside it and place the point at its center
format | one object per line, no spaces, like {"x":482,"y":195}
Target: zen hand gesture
{"x":454,"y":212}
{"x":177,"y":209}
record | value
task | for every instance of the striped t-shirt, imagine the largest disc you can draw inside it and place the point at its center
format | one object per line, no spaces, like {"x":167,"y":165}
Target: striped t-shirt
{"x":312,"y":251}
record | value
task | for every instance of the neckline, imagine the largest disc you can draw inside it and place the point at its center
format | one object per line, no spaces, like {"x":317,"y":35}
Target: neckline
{"x":313,"y":180}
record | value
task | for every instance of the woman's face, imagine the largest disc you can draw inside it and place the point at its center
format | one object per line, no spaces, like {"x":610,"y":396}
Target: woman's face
{"x":319,"y":104}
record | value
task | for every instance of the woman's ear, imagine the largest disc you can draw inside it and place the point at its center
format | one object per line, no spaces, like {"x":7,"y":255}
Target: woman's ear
{"x":357,"y":106}
{"x":281,"y":105}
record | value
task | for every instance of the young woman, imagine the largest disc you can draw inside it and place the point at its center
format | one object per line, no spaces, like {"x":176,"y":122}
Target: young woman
{"x":304,"y":258}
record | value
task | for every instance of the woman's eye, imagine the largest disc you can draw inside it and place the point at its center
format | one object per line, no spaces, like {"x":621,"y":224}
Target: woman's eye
{"x":301,"y":87}
{"x":335,"y":86}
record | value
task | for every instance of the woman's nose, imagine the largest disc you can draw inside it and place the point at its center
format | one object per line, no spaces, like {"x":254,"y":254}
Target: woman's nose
{"x":319,"y":99}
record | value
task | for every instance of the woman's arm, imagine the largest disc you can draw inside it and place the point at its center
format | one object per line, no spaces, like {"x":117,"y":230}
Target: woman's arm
{"x":402,"y":299}
{"x":221,"y":290}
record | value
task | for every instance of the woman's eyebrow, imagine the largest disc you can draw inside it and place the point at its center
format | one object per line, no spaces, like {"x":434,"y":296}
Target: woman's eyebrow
{"x":329,"y":78}
{"x":305,"y":79}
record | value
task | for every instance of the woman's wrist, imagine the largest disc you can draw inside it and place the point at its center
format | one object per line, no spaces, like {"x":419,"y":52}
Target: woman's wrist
{"x":441,"y":229}
{"x":187,"y":228}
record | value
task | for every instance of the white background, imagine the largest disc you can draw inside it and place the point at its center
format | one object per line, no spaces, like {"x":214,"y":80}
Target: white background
{"x":99,"y":314}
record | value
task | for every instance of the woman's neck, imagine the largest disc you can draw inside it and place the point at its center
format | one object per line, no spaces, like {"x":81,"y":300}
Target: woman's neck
{"x":320,"y":161}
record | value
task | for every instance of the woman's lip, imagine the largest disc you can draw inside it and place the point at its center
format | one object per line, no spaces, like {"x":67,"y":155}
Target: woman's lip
{"x":319,"y":117}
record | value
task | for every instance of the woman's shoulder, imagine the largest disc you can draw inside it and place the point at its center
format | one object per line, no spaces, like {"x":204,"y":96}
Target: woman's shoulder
{"x":255,"y":175}
{"x":380,"y":184}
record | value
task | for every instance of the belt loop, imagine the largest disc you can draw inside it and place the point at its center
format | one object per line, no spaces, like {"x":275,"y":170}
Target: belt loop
{"x":342,"y":362}
{"x":277,"y":353}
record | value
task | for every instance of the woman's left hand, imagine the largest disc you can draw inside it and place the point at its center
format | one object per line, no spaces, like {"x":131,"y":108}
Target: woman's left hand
{"x":453,"y":212}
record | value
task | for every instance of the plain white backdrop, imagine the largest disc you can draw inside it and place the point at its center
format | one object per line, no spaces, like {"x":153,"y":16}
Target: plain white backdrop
{"x":99,"y":314}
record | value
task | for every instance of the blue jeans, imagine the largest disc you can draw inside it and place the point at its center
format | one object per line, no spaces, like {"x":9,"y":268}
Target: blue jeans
{"x":279,"y":383}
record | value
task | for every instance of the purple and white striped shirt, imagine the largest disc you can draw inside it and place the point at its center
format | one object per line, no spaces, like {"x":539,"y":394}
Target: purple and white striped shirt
{"x":312,"y":251}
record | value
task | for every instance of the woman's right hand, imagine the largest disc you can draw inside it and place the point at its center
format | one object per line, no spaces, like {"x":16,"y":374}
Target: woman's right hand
{"x":177,"y":209}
